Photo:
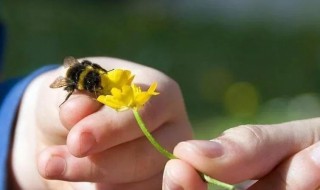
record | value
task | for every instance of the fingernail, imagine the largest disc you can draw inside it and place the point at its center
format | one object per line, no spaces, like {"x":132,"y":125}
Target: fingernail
{"x":87,"y":141}
{"x":55,"y":166}
{"x":169,"y":183}
{"x":315,"y":154}
{"x":210,"y":149}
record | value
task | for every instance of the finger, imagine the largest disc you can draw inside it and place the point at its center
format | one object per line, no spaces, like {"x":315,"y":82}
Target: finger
{"x":127,"y":162}
{"x":77,"y":107}
{"x":68,"y":113}
{"x":180,"y":175}
{"x":249,"y":152}
{"x":102,"y":130}
{"x":57,"y":163}
{"x":301,"y":171}
{"x":107,"y":128}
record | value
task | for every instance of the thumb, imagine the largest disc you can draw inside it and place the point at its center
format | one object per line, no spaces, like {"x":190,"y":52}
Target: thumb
{"x":249,"y":151}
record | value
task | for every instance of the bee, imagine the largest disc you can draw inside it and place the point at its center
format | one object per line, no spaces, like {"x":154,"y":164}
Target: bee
{"x":83,"y":75}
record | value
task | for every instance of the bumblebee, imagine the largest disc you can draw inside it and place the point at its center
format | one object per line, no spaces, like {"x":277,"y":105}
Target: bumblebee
{"x":83,"y":75}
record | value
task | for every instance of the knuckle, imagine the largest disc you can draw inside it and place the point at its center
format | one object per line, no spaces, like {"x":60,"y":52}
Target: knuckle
{"x":254,"y":134}
{"x":248,"y":139}
{"x":248,"y":146}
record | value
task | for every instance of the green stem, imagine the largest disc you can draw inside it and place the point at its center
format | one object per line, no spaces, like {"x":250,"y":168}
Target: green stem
{"x":152,"y":140}
{"x":215,"y":182}
{"x":169,"y":155}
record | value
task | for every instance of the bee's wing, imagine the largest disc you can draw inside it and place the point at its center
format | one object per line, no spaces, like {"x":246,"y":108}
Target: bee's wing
{"x":61,"y":82}
{"x":69,"y":61}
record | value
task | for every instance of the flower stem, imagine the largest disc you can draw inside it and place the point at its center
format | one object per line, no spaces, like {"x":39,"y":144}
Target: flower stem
{"x":169,"y":155}
{"x":152,"y":140}
{"x":215,"y":182}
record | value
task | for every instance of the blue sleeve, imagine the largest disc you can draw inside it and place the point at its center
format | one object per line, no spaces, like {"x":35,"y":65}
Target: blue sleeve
{"x":11,"y":93}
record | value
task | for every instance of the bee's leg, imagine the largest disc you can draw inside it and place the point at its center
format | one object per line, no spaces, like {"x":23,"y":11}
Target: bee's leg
{"x":68,"y":96}
{"x":95,"y":92}
{"x":98,"y":91}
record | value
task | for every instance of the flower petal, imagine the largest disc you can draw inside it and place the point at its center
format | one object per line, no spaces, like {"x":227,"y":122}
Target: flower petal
{"x":152,"y":89}
{"x":126,"y":96}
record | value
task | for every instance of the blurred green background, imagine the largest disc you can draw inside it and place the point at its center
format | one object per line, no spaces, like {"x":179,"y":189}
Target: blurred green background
{"x":236,"y":62}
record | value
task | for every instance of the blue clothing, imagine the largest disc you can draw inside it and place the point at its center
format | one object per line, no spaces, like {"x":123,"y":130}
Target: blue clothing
{"x":11,"y":93}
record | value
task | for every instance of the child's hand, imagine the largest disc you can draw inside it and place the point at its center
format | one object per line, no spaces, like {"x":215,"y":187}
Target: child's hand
{"x":281,"y":156}
{"x":88,"y":142}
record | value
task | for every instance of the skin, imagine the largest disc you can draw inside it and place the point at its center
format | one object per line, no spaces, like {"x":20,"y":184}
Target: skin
{"x":283,"y":156}
{"x":51,"y":145}
{"x":85,"y":145}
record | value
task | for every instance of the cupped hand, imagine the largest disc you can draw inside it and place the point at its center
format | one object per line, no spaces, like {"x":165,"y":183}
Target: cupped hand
{"x":281,"y":156}
{"x":84,"y":141}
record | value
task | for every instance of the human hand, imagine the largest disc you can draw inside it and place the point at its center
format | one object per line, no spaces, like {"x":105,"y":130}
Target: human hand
{"x":281,"y":157}
{"x":84,"y":141}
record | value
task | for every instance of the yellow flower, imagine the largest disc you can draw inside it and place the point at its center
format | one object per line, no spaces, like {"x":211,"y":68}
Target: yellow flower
{"x":115,"y":79}
{"x":128,"y":97}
